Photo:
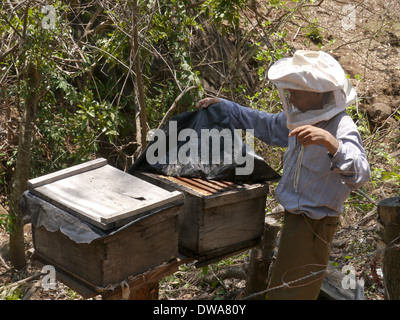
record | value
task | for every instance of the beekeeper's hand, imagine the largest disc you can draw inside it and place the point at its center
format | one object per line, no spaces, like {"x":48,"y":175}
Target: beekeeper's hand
{"x":310,"y":135}
{"x":207,"y":102}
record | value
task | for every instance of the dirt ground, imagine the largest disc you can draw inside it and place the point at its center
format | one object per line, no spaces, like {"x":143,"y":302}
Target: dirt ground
{"x":367,"y":44}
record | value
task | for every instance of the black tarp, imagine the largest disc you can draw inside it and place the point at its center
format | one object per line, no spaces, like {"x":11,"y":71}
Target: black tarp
{"x":211,"y":148}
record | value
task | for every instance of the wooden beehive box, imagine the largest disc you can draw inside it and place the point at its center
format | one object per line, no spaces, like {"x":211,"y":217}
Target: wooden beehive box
{"x":218,"y":218}
{"x":139,"y":221}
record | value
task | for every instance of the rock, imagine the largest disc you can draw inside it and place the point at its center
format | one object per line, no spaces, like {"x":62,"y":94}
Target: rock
{"x":369,"y":97}
{"x":339,"y":243}
{"x":393,"y":39}
{"x":5,"y":250}
{"x":396,"y":103}
{"x":4,"y":245}
{"x":378,"y":113}
{"x":3,"y":211}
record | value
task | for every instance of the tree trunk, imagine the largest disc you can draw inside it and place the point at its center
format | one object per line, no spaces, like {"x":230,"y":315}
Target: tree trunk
{"x":22,"y":168}
{"x":139,"y":80}
{"x":260,"y":260}
{"x":389,"y":218}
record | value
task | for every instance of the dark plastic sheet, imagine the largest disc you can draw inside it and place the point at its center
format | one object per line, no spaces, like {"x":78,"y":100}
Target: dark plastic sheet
{"x":213,"y":117}
{"x":44,"y":214}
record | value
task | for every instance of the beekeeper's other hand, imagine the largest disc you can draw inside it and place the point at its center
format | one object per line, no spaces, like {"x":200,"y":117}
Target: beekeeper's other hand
{"x":310,"y":135}
{"x":206,"y":102}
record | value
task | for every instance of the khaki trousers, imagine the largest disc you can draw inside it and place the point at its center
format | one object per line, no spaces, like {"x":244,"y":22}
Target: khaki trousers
{"x":304,"y":251}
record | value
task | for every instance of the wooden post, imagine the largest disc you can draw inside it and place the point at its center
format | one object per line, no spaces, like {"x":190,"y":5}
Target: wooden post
{"x":260,"y":260}
{"x":389,"y":218}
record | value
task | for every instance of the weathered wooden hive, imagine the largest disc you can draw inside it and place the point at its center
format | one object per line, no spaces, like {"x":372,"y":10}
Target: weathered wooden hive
{"x":100,"y":225}
{"x":218,"y":218}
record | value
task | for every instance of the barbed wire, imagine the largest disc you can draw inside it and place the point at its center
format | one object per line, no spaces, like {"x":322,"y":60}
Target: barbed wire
{"x":286,"y":284}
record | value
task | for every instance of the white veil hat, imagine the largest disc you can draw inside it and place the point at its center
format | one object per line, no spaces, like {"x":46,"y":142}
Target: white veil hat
{"x":315,"y":71}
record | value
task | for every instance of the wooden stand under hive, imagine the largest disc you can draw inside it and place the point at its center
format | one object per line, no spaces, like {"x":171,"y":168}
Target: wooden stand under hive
{"x":218,"y":218}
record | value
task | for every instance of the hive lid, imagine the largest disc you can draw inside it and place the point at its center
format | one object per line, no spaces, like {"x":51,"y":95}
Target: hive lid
{"x":101,"y":194}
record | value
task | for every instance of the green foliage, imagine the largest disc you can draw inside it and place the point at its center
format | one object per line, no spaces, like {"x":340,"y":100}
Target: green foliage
{"x":5,"y":223}
{"x":71,"y":119}
{"x":313,"y":32}
{"x":392,"y":176}
{"x":14,"y":293}
{"x":224,"y":11}
{"x":88,"y":99}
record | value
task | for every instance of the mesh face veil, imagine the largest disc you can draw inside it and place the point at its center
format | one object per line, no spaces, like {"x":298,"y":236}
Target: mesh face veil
{"x":314,"y":71}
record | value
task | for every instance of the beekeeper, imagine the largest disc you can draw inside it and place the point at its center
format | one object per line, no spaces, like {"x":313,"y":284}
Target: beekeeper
{"x":324,"y":161}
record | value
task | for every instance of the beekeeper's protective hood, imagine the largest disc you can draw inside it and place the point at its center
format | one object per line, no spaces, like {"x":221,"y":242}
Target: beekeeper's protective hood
{"x":314,"y":71}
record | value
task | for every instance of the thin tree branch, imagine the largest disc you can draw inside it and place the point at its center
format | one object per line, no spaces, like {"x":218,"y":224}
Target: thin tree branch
{"x":174,"y":105}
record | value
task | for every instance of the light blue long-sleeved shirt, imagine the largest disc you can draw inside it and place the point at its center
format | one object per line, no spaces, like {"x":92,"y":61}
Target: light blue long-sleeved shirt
{"x":325,"y":181}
